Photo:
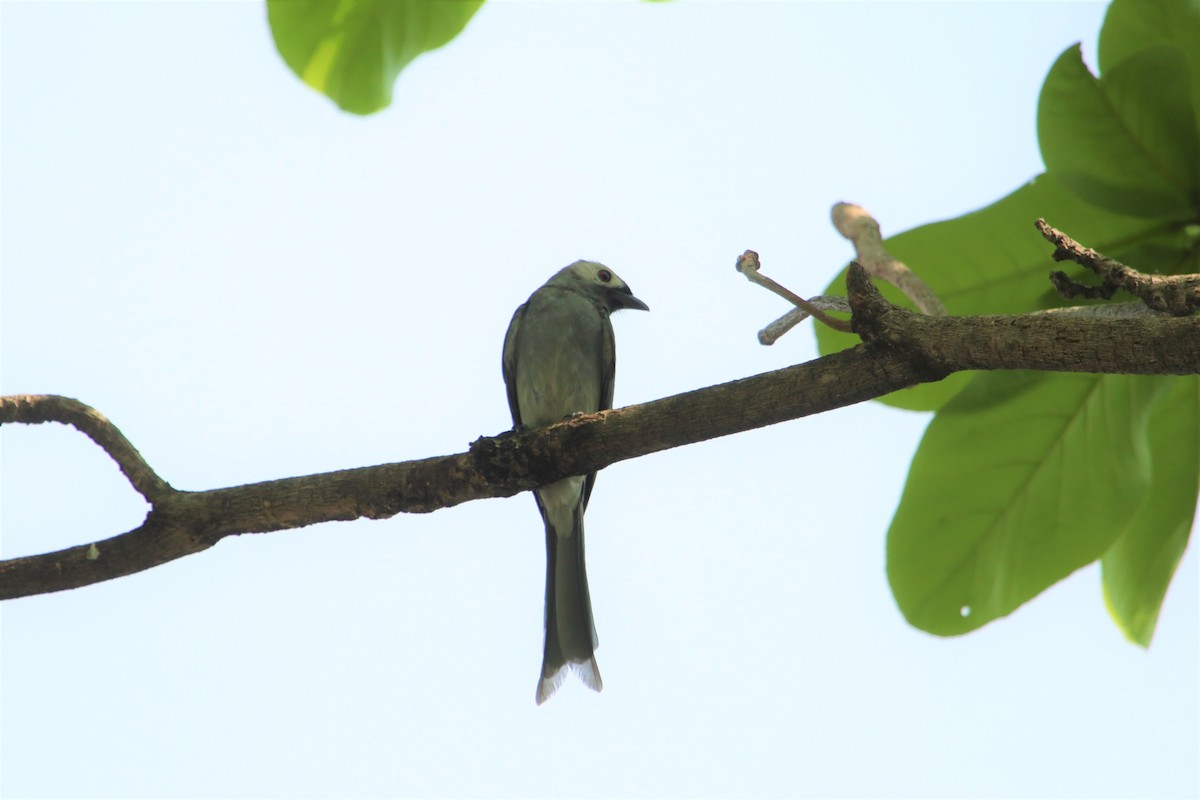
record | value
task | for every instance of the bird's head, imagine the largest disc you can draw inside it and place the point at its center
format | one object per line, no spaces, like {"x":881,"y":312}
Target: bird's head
{"x":597,"y":280}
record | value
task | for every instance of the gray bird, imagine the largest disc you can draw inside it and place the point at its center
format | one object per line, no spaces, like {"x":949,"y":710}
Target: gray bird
{"x":559,"y":360}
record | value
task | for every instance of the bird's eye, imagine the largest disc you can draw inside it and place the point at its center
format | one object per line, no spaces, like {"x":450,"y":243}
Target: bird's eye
{"x":604,"y":275}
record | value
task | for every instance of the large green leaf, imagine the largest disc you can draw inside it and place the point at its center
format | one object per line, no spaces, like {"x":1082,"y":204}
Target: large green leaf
{"x":1138,"y":567}
{"x":1019,"y":481}
{"x":352,"y":50}
{"x":1127,"y":142}
{"x":993,"y":261}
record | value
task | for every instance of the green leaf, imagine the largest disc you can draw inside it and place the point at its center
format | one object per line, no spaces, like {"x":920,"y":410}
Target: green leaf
{"x":993,"y":261}
{"x":352,"y":50}
{"x":1126,"y":143}
{"x":1019,"y":481}
{"x":1137,"y":569}
{"x":1133,"y":25}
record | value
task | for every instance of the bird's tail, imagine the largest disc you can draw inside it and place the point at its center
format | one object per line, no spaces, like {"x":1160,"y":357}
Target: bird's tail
{"x":571,"y":639}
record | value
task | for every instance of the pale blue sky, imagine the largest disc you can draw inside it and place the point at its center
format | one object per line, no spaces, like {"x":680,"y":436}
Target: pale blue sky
{"x":253,"y":285}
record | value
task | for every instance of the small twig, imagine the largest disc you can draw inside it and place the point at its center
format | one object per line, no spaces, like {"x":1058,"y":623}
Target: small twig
{"x":38,"y":408}
{"x":1177,"y":295}
{"x":748,"y":265}
{"x":862,"y":230}
{"x":1070,"y":289}
{"x":770,"y":334}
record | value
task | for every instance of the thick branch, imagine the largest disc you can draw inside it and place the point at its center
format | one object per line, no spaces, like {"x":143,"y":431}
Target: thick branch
{"x":1038,"y":341}
{"x":900,"y":349}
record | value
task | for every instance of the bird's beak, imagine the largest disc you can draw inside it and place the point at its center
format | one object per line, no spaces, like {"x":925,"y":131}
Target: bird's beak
{"x":623,"y":298}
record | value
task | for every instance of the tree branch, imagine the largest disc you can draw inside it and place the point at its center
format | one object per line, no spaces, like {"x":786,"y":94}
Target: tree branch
{"x":748,"y":264}
{"x":900,"y":349}
{"x":35,"y":408}
{"x":1177,"y":295}
{"x":860,"y":228}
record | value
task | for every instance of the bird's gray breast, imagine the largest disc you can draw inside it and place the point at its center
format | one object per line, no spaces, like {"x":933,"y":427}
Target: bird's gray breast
{"x":559,"y":359}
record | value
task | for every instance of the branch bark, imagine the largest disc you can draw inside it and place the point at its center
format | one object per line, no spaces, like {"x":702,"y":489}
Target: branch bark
{"x":1177,"y":295}
{"x":899,"y":349}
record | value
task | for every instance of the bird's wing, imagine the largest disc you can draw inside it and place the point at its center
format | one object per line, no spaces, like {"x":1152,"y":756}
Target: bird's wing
{"x":608,"y":369}
{"x":509,"y":362}
{"x":608,"y":363}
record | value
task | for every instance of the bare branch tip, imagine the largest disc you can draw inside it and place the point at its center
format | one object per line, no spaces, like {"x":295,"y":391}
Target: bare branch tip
{"x":747,"y":262}
{"x":850,"y":220}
